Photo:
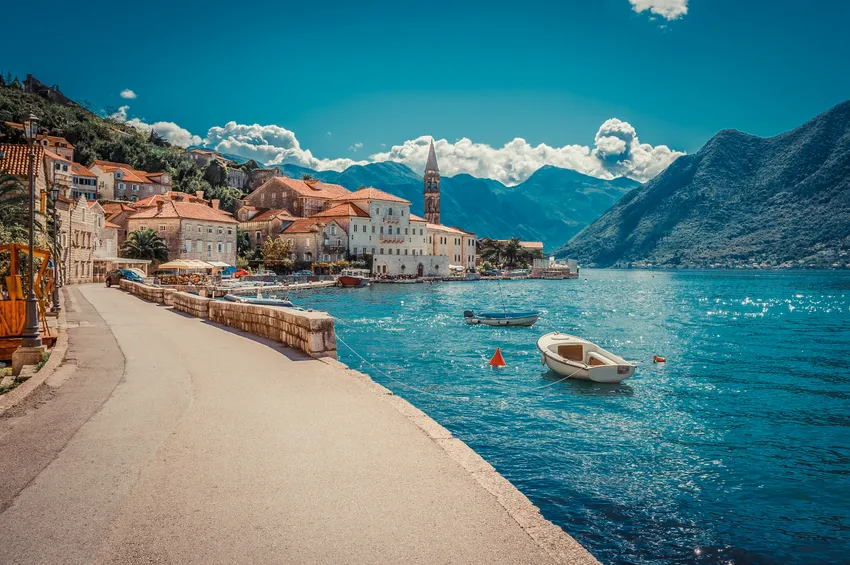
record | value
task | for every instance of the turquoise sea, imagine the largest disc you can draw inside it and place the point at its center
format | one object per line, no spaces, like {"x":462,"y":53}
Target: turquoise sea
{"x":737,"y":450}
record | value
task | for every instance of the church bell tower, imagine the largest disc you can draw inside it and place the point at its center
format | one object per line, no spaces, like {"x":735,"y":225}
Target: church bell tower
{"x":432,"y":187}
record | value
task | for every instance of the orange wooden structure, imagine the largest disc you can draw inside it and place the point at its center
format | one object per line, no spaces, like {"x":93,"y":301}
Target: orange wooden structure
{"x":13,"y":304}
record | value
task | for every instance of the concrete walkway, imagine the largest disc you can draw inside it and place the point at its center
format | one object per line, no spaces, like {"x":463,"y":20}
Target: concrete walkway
{"x":179,"y":441}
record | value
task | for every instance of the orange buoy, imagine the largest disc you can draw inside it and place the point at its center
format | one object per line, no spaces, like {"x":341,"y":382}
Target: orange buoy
{"x":657,"y":359}
{"x":498,"y":360}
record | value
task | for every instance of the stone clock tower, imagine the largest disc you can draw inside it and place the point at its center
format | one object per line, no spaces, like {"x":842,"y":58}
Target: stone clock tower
{"x":432,"y":187}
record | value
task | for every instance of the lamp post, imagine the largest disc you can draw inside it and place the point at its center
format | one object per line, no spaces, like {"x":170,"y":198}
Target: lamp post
{"x":31,"y":335}
{"x":54,"y":196}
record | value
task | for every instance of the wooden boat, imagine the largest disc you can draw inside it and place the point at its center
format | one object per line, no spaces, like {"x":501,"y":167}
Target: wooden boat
{"x":353,"y":278}
{"x":577,"y":358}
{"x":259,"y":300}
{"x":523,"y":319}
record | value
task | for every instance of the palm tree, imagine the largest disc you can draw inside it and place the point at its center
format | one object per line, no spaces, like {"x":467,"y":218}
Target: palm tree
{"x":14,"y":201}
{"x":144,"y":244}
{"x":513,"y":252}
{"x":491,"y":250}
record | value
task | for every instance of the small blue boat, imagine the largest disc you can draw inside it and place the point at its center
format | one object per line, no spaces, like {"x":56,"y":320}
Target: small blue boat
{"x":524,"y":319}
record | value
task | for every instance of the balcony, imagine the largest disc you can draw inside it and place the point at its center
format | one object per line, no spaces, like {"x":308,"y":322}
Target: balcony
{"x":392,"y":219}
{"x":392,"y":238}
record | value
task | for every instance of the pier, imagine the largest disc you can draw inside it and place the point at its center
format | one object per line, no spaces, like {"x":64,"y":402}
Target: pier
{"x":169,"y":438}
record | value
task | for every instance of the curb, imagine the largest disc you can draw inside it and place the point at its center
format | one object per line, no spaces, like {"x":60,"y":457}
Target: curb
{"x":57,"y":357}
{"x":559,"y":545}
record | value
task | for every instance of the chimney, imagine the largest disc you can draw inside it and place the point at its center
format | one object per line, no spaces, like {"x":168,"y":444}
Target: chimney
{"x":159,"y":204}
{"x":215,"y":202}
{"x":199,"y":194}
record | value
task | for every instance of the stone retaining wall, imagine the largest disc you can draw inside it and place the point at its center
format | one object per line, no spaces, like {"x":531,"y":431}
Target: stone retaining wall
{"x":191,"y":304}
{"x":311,"y":332}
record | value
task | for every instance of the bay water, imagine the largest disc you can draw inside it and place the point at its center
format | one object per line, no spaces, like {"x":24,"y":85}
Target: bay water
{"x":736,"y":450}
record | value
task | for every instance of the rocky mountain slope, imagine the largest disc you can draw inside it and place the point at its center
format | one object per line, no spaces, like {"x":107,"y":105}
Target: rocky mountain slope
{"x":741,"y":200}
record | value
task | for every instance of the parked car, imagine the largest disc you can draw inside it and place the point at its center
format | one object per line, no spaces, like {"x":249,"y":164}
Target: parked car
{"x":240,"y":273}
{"x":303,"y":273}
{"x":115,"y":275}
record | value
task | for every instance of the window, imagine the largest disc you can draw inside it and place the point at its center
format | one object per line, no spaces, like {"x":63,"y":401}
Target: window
{"x":135,"y":187}
{"x":354,"y":251}
{"x":229,"y":247}
{"x":398,"y":251}
{"x":257,"y":236}
{"x":200,"y":228}
{"x":373,"y":251}
{"x":143,"y":227}
{"x":377,"y":211}
{"x":161,"y":227}
{"x":333,"y":230}
{"x":64,"y":168}
{"x":382,"y":229}
{"x":373,"y":229}
{"x":405,"y":251}
{"x":405,"y":231}
{"x":390,"y":212}
{"x":355,"y":227}
{"x":199,"y":246}
{"x":382,"y":250}
{"x":187,"y":246}
{"x":229,"y":231}
{"x":209,"y":249}
{"x":150,"y":189}
{"x":219,"y":247}
{"x":209,"y":229}
{"x":121,"y":186}
{"x":220,"y":231}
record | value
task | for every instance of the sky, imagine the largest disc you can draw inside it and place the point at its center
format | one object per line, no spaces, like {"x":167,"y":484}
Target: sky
{"x":605,"y":87}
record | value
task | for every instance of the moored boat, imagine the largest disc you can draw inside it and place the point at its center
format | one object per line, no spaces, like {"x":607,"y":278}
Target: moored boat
{"x":524,"y":319}
{"x":259,"y":300}
{"x":352,"y":278}
{"x":573,"y":357}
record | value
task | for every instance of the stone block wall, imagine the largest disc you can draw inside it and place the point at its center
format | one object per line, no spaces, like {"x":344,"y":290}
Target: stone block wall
{"x":191,"y":304}
{"x":311,"y":332}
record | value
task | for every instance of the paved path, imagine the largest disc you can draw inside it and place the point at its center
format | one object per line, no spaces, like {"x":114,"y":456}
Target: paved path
{"x":179,"y":441}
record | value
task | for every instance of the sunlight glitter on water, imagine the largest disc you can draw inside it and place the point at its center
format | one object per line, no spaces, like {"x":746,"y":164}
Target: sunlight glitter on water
{"x":738,"y":445}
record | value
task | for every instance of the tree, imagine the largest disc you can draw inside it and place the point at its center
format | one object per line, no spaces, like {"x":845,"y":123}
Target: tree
{"x":277,"y":253}
{"x":243,"y":243}
{"x":306,"y":176}
{"x":216,"y":174}
{"x":145,"y":244}
{"x":512,"y":253}
{"x":491,"y":251}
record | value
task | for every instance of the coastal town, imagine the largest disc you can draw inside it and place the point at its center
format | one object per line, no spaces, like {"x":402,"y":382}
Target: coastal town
{"x":320,"y":227}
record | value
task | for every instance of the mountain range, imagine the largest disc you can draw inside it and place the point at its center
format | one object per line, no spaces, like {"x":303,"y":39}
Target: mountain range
{"x":741,"y":200}
{"x":551,"y":206}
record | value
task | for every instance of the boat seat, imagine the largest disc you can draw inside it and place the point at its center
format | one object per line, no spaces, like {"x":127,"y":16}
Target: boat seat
{"x":571,"y":352}
{"x":594,"y":359}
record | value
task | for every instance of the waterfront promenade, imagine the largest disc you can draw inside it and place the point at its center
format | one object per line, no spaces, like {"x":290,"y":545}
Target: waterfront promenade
{"x":174,"y":440}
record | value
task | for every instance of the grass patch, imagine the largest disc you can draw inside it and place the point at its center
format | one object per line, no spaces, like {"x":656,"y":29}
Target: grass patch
{"x":44,"y":360}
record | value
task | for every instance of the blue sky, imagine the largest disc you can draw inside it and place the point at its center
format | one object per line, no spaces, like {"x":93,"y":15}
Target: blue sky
{"x":337,"y":74}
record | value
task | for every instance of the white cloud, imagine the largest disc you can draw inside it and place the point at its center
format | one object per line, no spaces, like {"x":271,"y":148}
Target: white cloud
{"x":355,"y":147}
{"x":127,"y":93}
{"x":272,"y":145}
{"x":617,"y":152}
{"x":170,"y":131}
{"x":669,"y":9}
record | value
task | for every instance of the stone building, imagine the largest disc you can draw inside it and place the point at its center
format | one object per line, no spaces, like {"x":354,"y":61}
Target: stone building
{"x":381,"y":225}
{"x":58,"y":145}
{"x":262,"y":224}
{"x":303,"y":198}
{"x":236,"y":178}
{"x":82,"y":225}
{"x":459,"y":246}
{"x":259,"y":177}
{"x":15,"y":159}
{"x":83,"y":182}
{"x":122,"y":182}
{"x":191,"y":230}
{"x":317,"y":240}
{"x":118,"y":214}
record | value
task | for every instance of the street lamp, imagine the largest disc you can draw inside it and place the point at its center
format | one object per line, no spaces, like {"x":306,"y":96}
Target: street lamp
{"x":54,"y":196}
{"x":31,"y":335}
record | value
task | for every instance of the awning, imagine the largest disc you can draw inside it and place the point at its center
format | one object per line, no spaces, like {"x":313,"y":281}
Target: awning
{"x":185,"y":264}
{"x":122,"y":260}
{"x":218,"y":264}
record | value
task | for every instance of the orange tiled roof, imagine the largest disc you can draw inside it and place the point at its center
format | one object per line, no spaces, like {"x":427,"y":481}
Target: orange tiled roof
{"x":56,"y":157}
{"x":342,"y":210}
{"x":16,"y":158}
{"x":309,"y":189}
{"x":115,"y":208}
{"x":54,"y":140}
{"x":415,"y":218}
{"x":184,"y":210}
{"x":303,"y":225}
{"x":371,"y":193}
{"x":170,"y":195}
{"x":82,"y":171}
{"x":447,"y":229}
{"x":268,"y":215}
{"x":109,"y":224}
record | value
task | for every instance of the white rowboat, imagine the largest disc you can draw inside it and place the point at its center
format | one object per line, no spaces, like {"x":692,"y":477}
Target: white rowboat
{"x":577,"y":358}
